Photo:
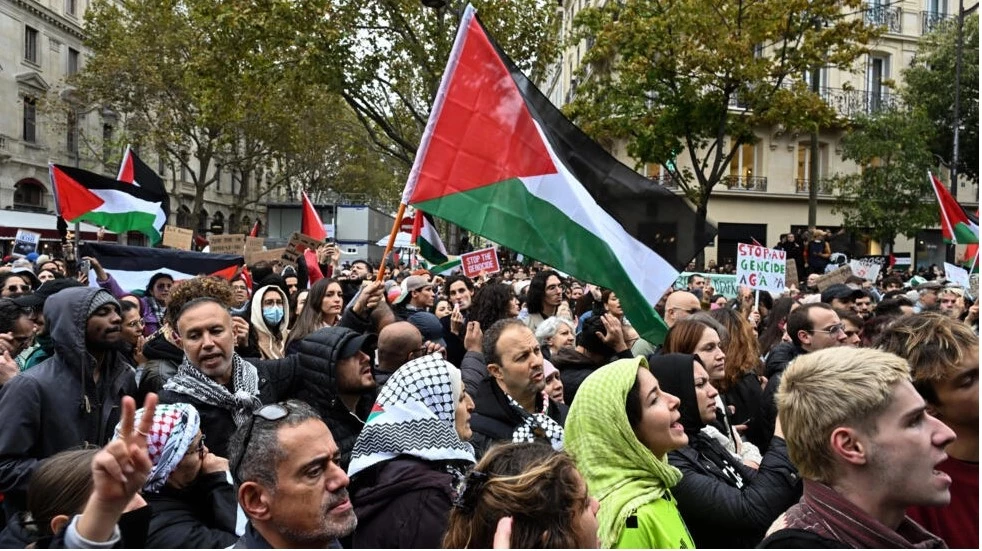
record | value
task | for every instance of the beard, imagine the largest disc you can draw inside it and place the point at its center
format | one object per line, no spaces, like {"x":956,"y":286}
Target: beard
{"x":329,"y":530}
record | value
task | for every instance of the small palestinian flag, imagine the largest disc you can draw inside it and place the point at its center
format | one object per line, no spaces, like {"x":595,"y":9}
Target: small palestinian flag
{"x":120,"y":207}
{"x":134,"y":171}
{"x":427,"y":239}
{"x":957,"y":225}
{"x":377,"y":410}
{"x":498,"y":159}
{"x":132,"y":267}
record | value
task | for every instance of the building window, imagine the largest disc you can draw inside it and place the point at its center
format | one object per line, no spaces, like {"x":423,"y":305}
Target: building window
{"x":877,"y":71}
{"x":161,"y":167}
{"x":184,"y":172}
{"x":183,"y":217}
{"x":71,"y":132}
{"x":29,"y":195}
{"x":107,"y":142}
{"x":72,"y":61}
{"x":30,"y":120}
{"x":744,"y":162}
{"x":70,"y":7}
{"x":31,"y":45}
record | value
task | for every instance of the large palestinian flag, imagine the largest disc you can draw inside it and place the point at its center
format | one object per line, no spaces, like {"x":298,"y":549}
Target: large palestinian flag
{"x":133,"y":170}
{"x":957,"y":225}
{"x":132,"y":267}
{"x":498,"y":159}
{"x":120,"y":207}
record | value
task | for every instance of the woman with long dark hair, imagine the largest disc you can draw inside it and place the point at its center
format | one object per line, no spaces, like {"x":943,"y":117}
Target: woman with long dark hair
{"x":493,"y":302}
{"x":324,"y":306}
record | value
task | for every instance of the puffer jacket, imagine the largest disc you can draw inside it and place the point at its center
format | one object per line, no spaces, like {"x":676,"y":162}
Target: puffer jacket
{"x":321,"y":389}
{"x":57,"y":405}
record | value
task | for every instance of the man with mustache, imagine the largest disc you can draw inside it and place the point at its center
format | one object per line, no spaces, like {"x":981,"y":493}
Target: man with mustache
{"x":291,"y":484}
{"x":70,"y":399}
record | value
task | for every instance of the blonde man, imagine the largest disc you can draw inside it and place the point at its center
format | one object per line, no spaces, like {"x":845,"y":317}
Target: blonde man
{"x":867,"y":449}
{"x":944,"y":359}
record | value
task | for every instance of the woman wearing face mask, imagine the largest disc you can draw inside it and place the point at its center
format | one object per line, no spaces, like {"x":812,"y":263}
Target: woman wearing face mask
{"x":410,"y":457}
{"x":725,"y":504}
{"x":269,"y":314}
{"x":619,"y":431}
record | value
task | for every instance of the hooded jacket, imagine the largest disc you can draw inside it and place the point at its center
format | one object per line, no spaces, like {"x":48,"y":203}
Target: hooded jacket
{"x":269,"y":341}
{"x":201,"y":516}
{"x":57,"y":404}
{"x":724,"y":503}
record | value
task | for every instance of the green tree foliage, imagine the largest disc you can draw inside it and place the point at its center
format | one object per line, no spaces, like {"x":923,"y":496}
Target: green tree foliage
{"x":891,"y":195}
{"x":930,"y":85}
{"x":697,"y":77}
{"x":393,"y":58}
{"x":227,"y":83}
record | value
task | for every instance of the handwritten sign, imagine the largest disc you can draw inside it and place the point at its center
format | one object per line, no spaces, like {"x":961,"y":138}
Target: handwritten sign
{"x":761,"y":268}
{"x":297,"y":245}
{"x":178,"y":238}
{"x":957,"y":275}
{"x":484,"y":260}
{"x":272,"y":255}
{"x":865,"y":268}
{"x":25,"y":243}
{"x":839,"y":275}
{"x":226,"y":244}
{"x":791,"y":269}
{"x":254,"y":244}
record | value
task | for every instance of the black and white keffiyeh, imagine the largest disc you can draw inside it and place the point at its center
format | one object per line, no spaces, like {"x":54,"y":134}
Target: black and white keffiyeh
{"x":537,"y":425}
{"x":414,"y":415}
{"x":190,"y":381}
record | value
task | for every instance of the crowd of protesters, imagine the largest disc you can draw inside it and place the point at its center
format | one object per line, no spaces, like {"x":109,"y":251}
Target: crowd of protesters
{"x":312,"y":406}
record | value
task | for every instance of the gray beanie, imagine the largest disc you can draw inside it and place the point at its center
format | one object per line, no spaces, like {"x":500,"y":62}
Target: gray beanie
{"x":100,"y":299}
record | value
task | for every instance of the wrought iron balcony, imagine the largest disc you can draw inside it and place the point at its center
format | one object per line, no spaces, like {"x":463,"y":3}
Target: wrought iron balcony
{"x":850,"y":103}
{"x":801,"y":186}
{"x":745,"y":183}
{"x":931,"y":20}
{"x":885,"y":16}
{"x":665,"y":180}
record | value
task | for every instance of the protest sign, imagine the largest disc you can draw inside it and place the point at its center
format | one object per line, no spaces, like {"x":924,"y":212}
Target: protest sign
{"x":272,"y":255}
{"x":178,"y":238}
{"x":791,"y":269}
{"x":723,"y":284}
{"x":484,"y":260}
{"x":838,"y":276}
{"x":761,"y":268}
{"x":226,"y":244}
{"x":957,"y":275}
{"x":298,"y":243}
{"x":254,"y":244}
{"x":25,"y":243}
{"x":973,"y":285}
{"x":865,"y":268}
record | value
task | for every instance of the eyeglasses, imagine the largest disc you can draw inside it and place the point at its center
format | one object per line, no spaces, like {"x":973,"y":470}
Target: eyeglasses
{"x":689,"y":311}
{"x":832,"y":330}
{"x":272,"y":412}
{"x":16,"y":288}
{"x":135,"y":324}
{"x":199,"y":449}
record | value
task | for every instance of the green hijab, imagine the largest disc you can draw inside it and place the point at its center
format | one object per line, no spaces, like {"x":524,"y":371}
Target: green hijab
{"x":620,"y":471}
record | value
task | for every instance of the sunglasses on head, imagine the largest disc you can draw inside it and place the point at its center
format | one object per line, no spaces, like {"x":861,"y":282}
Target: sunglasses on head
{"x":272,"y":412}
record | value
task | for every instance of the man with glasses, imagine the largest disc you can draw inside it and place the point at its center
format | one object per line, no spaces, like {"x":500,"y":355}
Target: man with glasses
{"x":70,"y":399}
{"x":811,"y":327}
{"x":291,"y":485}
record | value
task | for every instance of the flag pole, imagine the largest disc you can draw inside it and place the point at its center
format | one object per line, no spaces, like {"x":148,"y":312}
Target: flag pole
{"x":392,"y":241}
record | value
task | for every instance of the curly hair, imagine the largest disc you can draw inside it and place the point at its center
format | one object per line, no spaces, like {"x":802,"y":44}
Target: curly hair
{"x":186,"y":290}
{"x":742,"y":351}
{"x":491,"y":303}
{"x":539,"y":488}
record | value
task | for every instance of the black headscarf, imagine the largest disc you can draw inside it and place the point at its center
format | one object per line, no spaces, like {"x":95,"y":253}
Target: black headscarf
{"x":674,"y":374}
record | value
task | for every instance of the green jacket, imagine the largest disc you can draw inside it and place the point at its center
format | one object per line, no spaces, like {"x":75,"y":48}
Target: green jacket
{"x":656,"y":525}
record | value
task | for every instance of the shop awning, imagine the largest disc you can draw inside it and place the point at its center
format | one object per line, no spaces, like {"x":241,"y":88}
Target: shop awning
{"x":43,"y":223}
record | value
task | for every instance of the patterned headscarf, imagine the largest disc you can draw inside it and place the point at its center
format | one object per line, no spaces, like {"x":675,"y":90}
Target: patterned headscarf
{"x":414,"y":415}
{"x":620,"y":471}
{"x":174,"y":428}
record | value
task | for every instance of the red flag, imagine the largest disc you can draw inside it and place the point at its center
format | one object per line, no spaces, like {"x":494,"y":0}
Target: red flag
{"x":755,"y":242}
{"x":310,"y":221}
{"x":255,"y":230}
{"x":417,"y":226}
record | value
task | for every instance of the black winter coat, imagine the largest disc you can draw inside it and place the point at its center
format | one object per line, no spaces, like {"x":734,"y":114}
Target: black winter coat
{"x":777,"y":362}
{"x":792,"y":538}
{"x":494,"y":420}
{"x":57,"y":405}
{"x":473,"y":370}
{"x":201,"y":516}
{"x":573,"y":368}
{"x":745,"y":397}
{"x":403,"y":503}
{"x":717,"y":512}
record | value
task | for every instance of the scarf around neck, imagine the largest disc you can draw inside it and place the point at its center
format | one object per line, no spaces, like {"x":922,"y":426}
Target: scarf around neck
{"x":536,"y":424}
{"x":825,"y":512}
{"x":619,"y":470}
{"x":190,"y":381}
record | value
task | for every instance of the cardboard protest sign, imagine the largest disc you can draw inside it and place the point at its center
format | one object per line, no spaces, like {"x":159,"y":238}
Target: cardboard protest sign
{"x":791,"y":270}
{"x":230,"y":243}
{"x":723,"y":284}
{"x":272,"y":255}
{"x":484,"y":260}
{"x":761,"y":268}
{"x":973,"y":285}
{"x":957,"y":275}
{"x":838,"y":276}
{"x":25,"y":243}
{"x":298,"y":244}
{"x":254,"y":244}
{"x":865,"y":268}
{"x":178,"y":238}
